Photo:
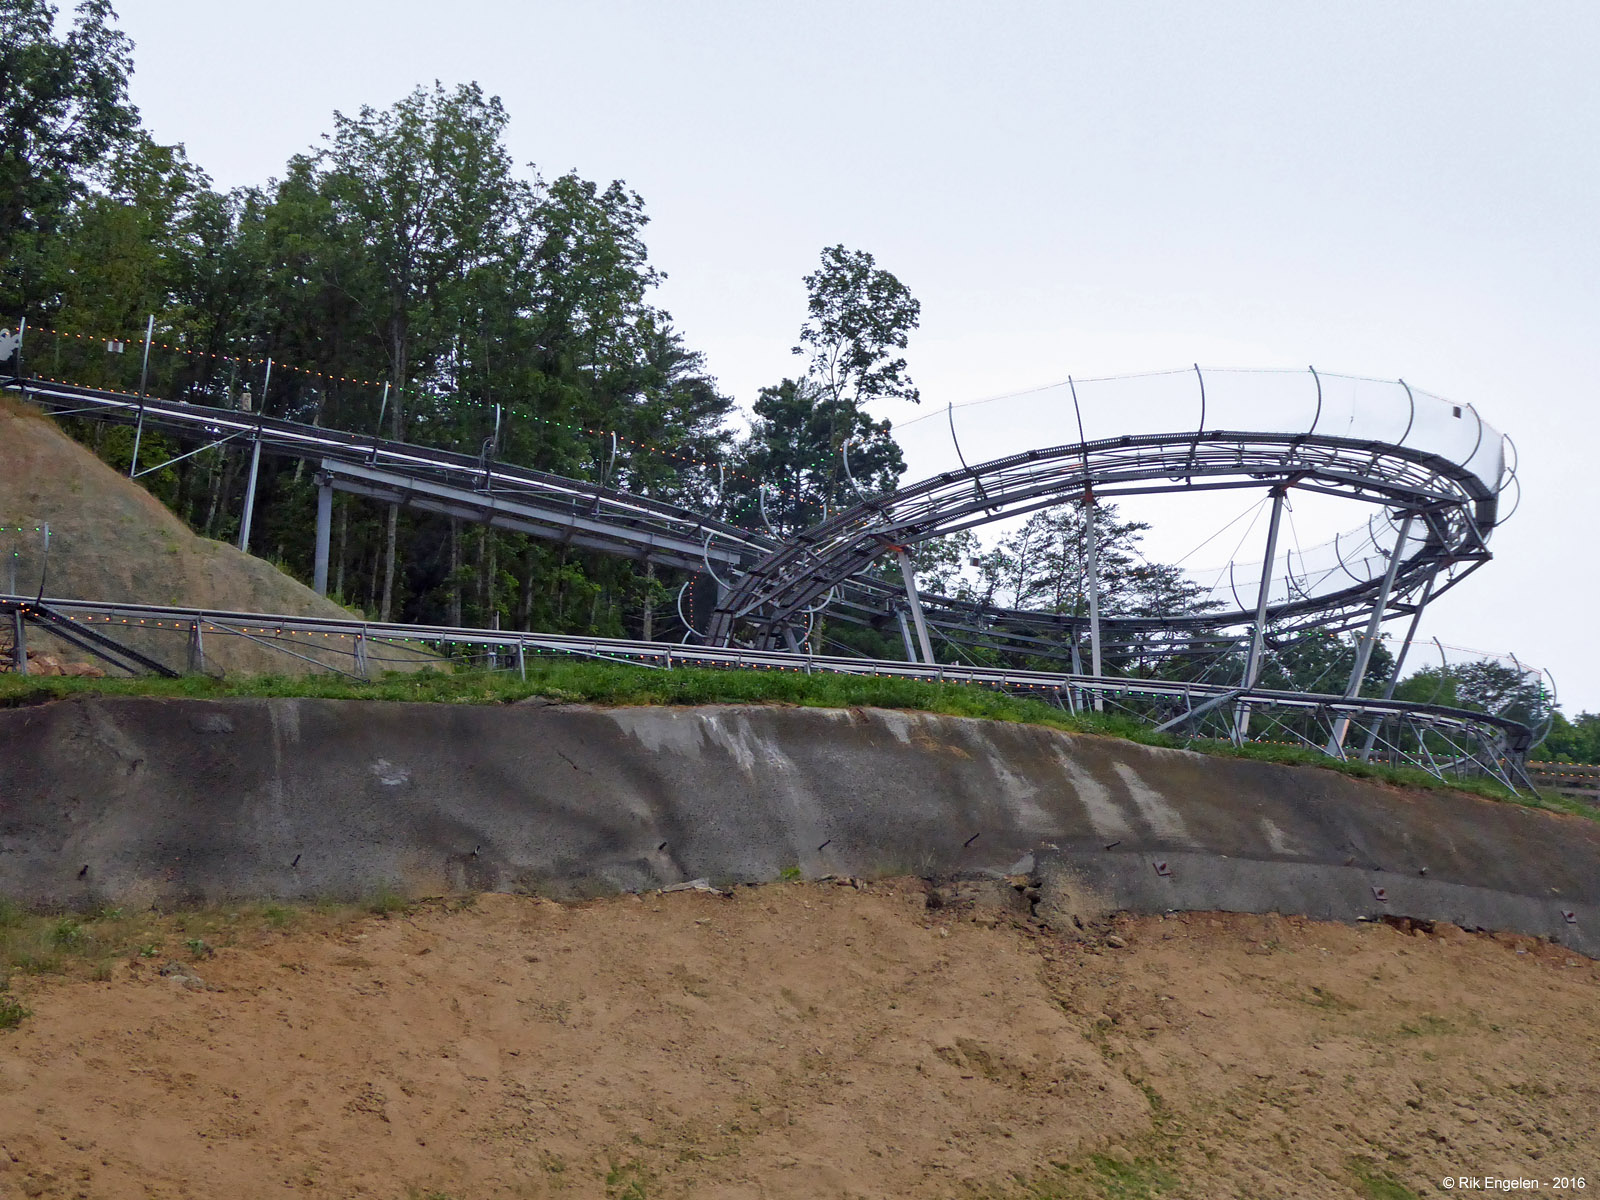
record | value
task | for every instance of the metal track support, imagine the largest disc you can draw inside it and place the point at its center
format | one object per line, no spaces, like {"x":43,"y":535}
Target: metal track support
{"x":250,"y":496}
{"x":1092,"y":549}
{"x":1252,"y":662}
{"x":1399,"y":662}
{"x":905,"y":634}
{"x":1370,"y":637}
{"x":324,"y":533}
{"x":19,"y":642}
{"x":197,"y":648}
{"x":909,"y":575}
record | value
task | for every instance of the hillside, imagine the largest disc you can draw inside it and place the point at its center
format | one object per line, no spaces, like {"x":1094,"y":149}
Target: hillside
{"x":791,"y":1040}
{"x":112,"y":540}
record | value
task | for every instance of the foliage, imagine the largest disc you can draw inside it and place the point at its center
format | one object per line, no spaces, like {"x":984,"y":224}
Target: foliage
{"x":64,"y":119}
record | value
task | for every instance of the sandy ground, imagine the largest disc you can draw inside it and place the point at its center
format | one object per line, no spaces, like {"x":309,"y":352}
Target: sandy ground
{"x":805,"y":1040}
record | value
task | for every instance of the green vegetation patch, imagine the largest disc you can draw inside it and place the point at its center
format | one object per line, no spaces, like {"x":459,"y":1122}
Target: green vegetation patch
{"x":1374,"y":1183}
{"x":582,"y":681}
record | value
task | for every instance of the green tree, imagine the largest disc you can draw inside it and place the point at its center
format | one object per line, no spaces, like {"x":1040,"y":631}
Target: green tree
{"x":790,"y":452}
{"x":64,"y":113}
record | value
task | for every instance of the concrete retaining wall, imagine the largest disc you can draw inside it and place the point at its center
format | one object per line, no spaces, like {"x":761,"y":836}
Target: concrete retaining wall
{"x":165,"y":801}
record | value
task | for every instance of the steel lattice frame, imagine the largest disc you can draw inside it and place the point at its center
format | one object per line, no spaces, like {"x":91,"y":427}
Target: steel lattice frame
{"x":1456,"y":508}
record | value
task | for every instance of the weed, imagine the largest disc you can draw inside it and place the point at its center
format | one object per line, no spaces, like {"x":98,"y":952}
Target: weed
{"x":1374,"y":1183}
{"x":388,"y":902}
{"x":789,"y":874}
{"x":68,"y":934}
{"x":199,"y":947}
{"x":1328,"y":1002}
{"x":277,"y":915}
{"x":627,"y":1181}
{"x":1427,"y":1025}
{"x":12,"y":1013}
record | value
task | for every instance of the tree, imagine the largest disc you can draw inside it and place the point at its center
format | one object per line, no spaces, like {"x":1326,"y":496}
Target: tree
{"x":426,"y":186}
{"x":858,"y":316}
{"x":790,"y":453}
{"x":64,"y":111}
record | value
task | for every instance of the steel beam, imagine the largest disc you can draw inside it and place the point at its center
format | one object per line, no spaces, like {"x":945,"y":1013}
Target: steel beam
{"x":250,"y":498}
{"x":1370,"y":637}
{"x":1252,"y":663}
{"x":909,"y":575}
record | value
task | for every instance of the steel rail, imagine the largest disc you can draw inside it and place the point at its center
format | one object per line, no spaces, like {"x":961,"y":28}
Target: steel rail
{"x":181,"y":619}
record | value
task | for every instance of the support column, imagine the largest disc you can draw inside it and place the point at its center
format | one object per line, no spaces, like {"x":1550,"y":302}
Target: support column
{"x":1399,"y":662}
{"x":1369,"y":639}
{"x":1252,"y":662}
{"x":1092,"y":549}
{"x":197,"y":648}
{"x":905,"y":634}
{"x":324,"y":533}
{"x":19,"y":643}
{"x":910,"y":577}
{"x":250,"y":498}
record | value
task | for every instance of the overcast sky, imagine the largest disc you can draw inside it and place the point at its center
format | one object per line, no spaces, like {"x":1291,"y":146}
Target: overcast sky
{"x":1388,"y":189}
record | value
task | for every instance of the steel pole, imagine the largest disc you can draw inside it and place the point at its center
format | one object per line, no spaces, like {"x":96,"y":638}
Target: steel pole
{"x":250,"y":496}
{"x":144,"y":368}
{"x":19,"y":643}
{"x":905,"y":633}
{"x":1399,"y":662}
{"x":1252,"y":662}
{"x":910,"y":577}
{"x":1092,"y":547}
{"x":1341,"y":727}
{"x":324,"y":533}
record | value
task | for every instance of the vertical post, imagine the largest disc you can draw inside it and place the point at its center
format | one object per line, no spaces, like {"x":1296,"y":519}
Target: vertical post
{"x":138,"y":435}
{"x":22,"y":329}
{"x":250,"y":496}
{"x":1092,"y":566}
{"x":197,"y":649}
{"x":19,"y":642}
{"x":144,"y":368}
{"x":522,"y":661}
{"x":262,"y":405}
{"x":910,"y":577}
{"x":324,"y":533}
{"x":144,"y":378}
{"x":1252,"y":662}
{"x":1369,"y":639}
{"x":1400,"y":662}
{"x":905,"y":633}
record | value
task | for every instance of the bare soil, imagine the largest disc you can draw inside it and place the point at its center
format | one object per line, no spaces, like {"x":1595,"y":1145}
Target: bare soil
{"x":801,"y":1040}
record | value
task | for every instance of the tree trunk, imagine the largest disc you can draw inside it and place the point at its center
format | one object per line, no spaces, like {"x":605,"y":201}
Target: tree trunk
{"x":344,"y":530}
{"x":386,"y":612}
{"x":649,"y":623}
{"x":455,"y":572}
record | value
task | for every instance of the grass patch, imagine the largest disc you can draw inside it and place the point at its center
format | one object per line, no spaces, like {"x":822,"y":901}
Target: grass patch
{"x":87,"y":945}
{"x":1374,"y":1183}
{"x":12,"y":1013}
{"x":572,"y":680}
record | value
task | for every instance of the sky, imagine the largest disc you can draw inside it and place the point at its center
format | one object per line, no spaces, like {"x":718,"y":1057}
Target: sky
{"x":1396,"y":190}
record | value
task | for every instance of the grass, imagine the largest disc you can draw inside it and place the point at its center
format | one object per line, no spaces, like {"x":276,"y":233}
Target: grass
{"x":1374,"y":1183}
{"x":572,"y":680}
{"x":85,"y":945}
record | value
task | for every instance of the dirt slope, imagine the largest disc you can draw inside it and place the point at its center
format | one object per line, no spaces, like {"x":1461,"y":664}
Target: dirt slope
{"x":803,"y":1040}
{"x":112,"y":540}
